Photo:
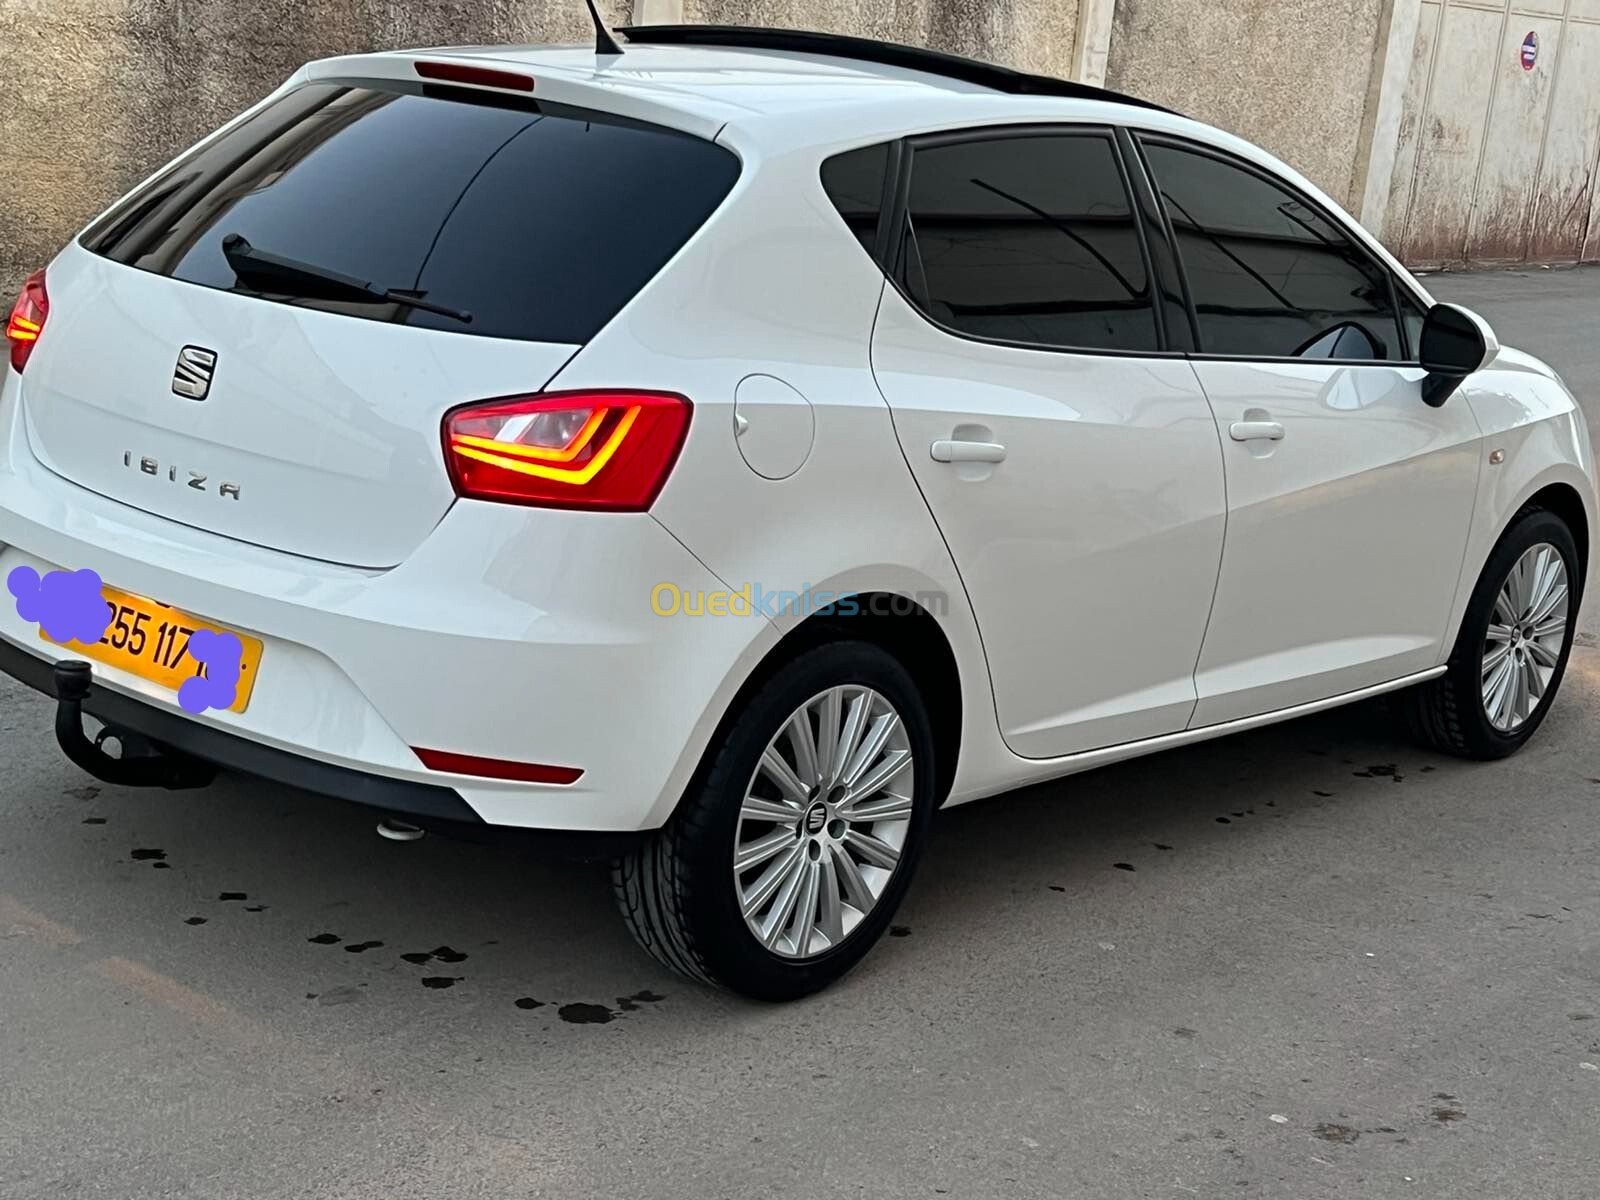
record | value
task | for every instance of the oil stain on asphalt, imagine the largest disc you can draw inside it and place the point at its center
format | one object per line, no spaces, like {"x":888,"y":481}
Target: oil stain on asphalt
{"x":599,"y":1014}
{"x":443,"y":954}
{"x":1380,"y":771}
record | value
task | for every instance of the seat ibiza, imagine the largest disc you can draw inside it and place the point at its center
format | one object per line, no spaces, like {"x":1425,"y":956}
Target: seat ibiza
{"x":720,"y":451}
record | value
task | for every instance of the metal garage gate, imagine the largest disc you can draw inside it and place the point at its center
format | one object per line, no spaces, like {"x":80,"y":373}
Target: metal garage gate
{"x":1500,"y":138}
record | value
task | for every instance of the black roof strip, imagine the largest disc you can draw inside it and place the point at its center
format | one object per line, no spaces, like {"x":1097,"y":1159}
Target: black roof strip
{"x":890,"y":54}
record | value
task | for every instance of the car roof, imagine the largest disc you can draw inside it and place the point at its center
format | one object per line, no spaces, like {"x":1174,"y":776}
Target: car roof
{"x":765,"y":101}
{"x":869,"y":50}
{"x":821,"y":96}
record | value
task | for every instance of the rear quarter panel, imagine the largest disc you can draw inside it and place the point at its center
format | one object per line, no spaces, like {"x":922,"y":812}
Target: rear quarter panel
{"x":775,"y":285}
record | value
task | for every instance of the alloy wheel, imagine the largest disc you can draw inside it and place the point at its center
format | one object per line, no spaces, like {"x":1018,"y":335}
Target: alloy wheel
{"x":823,"y":821}
{"x":1527,"y":630}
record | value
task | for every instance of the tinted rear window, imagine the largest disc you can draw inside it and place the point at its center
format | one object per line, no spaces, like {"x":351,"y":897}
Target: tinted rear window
{"x":541,"y":221}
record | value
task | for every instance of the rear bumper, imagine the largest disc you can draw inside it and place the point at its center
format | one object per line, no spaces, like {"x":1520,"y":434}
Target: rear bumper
{"x":431,"y":806}
{"x":429,"y":801}
{"x":510,"y":633}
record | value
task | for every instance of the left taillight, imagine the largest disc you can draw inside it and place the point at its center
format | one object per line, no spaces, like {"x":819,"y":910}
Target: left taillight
{"x":604,"y":450}
{"x":27,"y":319}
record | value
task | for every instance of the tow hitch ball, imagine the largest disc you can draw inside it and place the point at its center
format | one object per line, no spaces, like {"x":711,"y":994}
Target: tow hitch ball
{"x":140,"y":762}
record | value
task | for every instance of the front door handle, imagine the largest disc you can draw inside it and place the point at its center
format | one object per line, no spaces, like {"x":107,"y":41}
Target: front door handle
{"x":1256,"y":431}
{"x":969,"y":452}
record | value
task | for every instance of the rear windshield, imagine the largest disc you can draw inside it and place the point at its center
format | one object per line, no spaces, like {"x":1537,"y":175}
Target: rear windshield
{"x":538,"y":221}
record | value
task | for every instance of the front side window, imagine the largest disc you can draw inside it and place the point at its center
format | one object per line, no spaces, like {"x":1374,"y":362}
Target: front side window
{"x":1270,"y":276}
{"x":1028,"y":239}
{"x":1413,"y":316}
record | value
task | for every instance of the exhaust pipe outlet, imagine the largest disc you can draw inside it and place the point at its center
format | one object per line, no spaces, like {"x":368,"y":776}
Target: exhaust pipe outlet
{"x":140,"y":763}
{"x":399,"y":831}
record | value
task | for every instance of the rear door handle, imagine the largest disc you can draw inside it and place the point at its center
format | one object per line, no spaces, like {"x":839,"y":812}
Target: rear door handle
{"x":972,"y":452}
{"x":1256,"y":431}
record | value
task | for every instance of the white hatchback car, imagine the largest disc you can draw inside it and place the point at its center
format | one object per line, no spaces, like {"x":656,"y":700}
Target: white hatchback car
{"x":724,"y":453}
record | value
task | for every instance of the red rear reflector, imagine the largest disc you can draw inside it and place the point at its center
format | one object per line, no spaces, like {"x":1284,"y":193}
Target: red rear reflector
{"x":475,"y":76}
{"x":495,"y":768}
{"x":604,"y":450}
{"x":27,"y":319}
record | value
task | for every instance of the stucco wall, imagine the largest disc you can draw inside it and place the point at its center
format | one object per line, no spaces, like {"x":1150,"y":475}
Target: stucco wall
{"x":1033,"y":35}
{"x":95,"y":94}
{"x":1290,"y":75}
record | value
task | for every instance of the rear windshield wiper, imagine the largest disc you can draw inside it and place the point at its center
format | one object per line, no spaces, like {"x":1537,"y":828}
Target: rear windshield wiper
{"x":269,"y":269}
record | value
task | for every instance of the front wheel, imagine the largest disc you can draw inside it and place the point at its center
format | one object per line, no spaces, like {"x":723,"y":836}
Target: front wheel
{"x":1512,"y":650}
{"x":786,"y":860}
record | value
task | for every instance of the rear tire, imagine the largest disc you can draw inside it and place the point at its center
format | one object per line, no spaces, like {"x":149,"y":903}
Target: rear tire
{"x":1510,"y":655}
{"x":829,"y":841}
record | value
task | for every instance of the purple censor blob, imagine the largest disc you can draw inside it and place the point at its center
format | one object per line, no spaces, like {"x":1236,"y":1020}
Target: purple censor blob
{"x":66,"y":604}
{"x":221,"y":653}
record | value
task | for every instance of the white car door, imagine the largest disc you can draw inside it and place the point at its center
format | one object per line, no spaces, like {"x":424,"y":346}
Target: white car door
{"x":1349,"y":498}
{"x":1070,"y":460}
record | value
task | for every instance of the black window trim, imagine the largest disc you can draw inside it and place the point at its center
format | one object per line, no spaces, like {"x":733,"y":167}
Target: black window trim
{"x":890,"y":239}
{"x":1149,"y":204}
{"x":1143,"y":137}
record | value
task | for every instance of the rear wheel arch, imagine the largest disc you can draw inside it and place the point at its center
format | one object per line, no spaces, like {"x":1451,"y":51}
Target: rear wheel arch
{"x":902,"y":627}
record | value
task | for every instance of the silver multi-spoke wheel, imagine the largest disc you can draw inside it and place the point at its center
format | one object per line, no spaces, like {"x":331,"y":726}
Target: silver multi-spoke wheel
{"x":1527,"y":630}
{"x":823,"y":821}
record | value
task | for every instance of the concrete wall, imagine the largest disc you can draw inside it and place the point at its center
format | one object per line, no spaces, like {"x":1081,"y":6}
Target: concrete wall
{"x":1290,"y":75}
{"x":95,"y":94}
{"x":1496,"y":158}
{"x":1034,"y":35}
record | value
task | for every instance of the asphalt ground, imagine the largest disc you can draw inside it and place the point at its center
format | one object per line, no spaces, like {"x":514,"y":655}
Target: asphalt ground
{"x":1312,"y":961}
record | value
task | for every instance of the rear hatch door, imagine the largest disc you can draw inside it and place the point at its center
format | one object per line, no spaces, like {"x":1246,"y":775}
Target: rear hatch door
{"x":289,"y":409}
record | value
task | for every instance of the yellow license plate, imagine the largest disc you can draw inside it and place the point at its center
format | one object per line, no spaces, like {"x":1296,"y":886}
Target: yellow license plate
{"x":151,"y":641}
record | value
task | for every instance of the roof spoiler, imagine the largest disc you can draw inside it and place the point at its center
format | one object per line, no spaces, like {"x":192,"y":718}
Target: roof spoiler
{"x":890,"y":54}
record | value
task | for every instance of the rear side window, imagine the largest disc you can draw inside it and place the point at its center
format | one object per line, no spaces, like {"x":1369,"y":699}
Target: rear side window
{"x":539,"y":221}
{"x":854,"y":182}
{"x":1270,"y":276}
{"x":1028,"y":239}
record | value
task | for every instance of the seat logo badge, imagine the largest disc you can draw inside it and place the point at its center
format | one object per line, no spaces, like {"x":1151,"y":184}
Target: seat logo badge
{"x":816,"y":819}
{"x":192,"y":377}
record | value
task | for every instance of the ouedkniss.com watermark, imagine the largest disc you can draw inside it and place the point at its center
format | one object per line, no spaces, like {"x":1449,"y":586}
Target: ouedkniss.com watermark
{"x":669,"y":600}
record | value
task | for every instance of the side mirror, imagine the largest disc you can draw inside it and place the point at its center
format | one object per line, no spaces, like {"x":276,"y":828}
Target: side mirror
{"x":1455,"y":342}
